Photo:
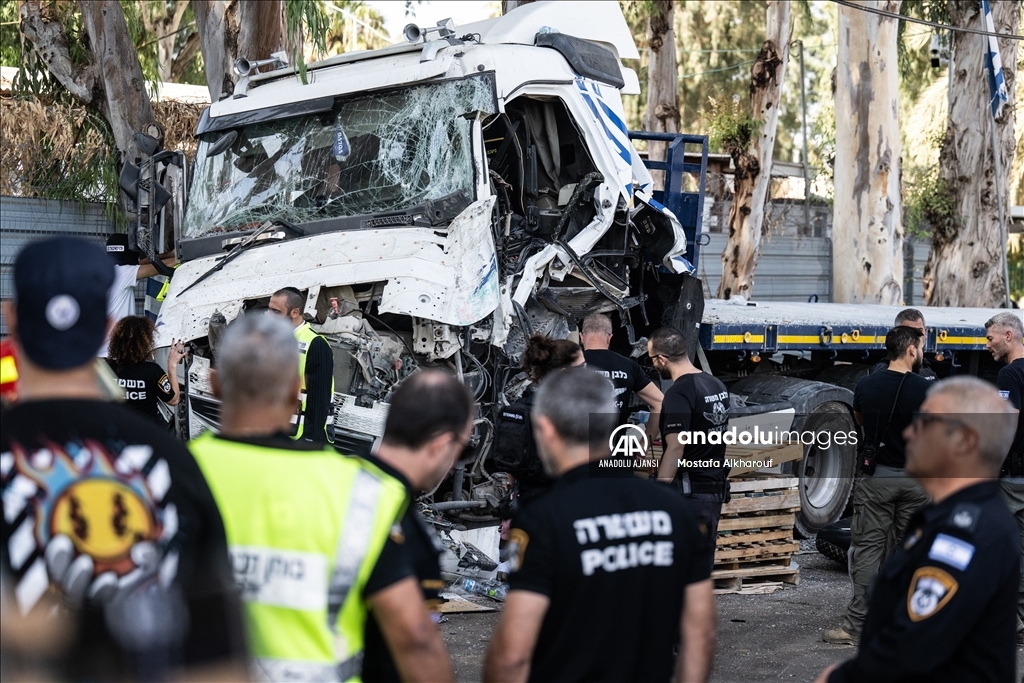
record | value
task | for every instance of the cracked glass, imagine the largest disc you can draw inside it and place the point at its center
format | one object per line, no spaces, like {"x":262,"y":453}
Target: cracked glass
{"x":370,"y":154}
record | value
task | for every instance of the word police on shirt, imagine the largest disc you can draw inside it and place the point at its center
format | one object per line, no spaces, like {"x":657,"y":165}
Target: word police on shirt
{"x":625,"y":555}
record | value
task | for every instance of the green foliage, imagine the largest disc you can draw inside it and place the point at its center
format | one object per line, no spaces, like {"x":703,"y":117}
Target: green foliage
{"x":929,"y":205}
{"x":307,"y":21}
{"x":10,"y":38}
{"x":731,"y":127}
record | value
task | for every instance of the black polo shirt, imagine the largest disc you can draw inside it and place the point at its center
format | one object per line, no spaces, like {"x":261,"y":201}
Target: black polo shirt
{"x":421,"y":549}
{"x":944,"y":606}
{"x":698,"y":404}
{"x":876,"y":397}
{"x":614,"y":556}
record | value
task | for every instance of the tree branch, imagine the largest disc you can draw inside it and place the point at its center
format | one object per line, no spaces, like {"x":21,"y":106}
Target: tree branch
{"x":50,"y":43}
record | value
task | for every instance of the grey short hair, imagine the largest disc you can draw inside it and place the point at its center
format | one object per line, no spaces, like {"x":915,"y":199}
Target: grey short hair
{"x":908,"y":315}
{"x":258,"y":361}
{"x":597,"y":323}
{"x":981,"y":407}
{"x":1010,"y":321}
{"x":580,"y":405}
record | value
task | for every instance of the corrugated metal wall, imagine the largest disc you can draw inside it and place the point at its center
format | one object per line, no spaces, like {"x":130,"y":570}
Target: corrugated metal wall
{"x":24,"y":219}
{"x":794,"y":268}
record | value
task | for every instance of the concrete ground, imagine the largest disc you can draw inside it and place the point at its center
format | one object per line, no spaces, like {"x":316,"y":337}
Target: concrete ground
{"x":774,"y":637}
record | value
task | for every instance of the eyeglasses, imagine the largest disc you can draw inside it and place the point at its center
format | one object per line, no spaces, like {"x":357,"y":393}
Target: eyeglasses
{"x":921,"y":421}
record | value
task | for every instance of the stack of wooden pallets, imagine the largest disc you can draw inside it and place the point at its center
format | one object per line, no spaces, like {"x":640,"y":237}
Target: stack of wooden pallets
{"x":755,"y":542}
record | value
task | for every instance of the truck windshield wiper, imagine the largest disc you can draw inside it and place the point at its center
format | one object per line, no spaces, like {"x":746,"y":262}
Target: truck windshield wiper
{"x":237,"y":250}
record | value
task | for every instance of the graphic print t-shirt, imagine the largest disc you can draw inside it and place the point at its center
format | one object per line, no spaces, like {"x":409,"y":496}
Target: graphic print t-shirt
{"x":143,"y":384}
{"x":110,"y":511}
{"x":1010,"y":381}
{"x":697,"y":403}
{"x":614,"y":556}
{"x":625,"y":374}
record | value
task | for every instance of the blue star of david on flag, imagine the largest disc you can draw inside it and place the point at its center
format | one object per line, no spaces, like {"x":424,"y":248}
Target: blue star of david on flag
{"x":994,"y":64}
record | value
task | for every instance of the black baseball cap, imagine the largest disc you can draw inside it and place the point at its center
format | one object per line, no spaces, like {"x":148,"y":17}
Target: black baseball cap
{"x":60,"y":295}
{"x":117,"y":248}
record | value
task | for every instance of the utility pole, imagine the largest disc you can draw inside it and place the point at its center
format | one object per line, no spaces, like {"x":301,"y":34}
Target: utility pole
{"x":803,"y":111}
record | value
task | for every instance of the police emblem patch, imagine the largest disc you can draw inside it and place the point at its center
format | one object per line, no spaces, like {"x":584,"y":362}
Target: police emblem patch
{"x":517,"y":542}
{"x":930,"y":590}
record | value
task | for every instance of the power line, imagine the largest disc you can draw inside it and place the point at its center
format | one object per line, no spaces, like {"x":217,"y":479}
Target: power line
{"x":933,"y":24}
{"x":714,"y":71}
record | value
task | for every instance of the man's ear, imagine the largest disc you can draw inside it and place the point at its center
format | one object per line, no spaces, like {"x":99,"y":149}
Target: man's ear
{"x":215,"y":383}
{"x":12,"y":319}
{"x":544,"y":430}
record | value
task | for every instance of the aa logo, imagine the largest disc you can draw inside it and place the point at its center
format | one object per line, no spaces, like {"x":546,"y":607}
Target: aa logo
{"x":628,"y":441}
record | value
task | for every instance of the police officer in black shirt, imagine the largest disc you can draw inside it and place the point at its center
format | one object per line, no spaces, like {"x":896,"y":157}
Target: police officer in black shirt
{"x":942,"y":607}
{"x":625,"y":374}
{"x":695,"y":411}
{"x":1004,"y":332}
{"x":427,"y":405}
{"x":608,"y":574}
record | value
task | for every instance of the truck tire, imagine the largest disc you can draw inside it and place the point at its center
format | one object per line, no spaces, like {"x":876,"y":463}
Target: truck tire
{"x":826,"y":474}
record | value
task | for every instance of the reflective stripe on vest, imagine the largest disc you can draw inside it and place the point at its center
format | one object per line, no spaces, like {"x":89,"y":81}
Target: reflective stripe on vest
{"x":304,"y":334}
{"x":304,"y":530}
{"x":277,"y":670}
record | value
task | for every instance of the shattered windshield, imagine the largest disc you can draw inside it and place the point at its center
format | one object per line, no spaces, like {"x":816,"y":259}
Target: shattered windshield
{"x":371,"y":154}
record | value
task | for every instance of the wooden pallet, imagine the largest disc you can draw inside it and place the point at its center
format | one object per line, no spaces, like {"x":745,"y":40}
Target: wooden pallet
{"x":756,"y":580}
{"x":755,"y":541}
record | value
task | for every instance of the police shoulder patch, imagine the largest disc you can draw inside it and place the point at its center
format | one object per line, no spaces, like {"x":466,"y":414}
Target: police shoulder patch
{"x":165,"y":384}
{"x":931,"y":589}
{"x":517,"y":542}
{"x":950,"y":550}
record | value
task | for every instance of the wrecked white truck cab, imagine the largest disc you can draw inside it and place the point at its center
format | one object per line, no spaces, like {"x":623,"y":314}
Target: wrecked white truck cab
{"x":437,"y":202}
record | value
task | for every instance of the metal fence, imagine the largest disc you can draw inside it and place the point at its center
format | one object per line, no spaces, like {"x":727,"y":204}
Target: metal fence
{"x":24,"y":219}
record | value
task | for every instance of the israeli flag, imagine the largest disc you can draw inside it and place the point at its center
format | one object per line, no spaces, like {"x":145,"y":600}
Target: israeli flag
{"x":994,"y":65}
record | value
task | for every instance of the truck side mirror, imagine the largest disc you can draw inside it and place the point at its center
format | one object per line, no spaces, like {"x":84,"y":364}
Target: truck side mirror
{"x":223,"y":142}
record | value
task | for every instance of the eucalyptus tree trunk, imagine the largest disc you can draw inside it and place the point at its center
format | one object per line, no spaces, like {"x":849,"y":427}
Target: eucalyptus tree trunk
{"x":754,"y":165}
{"x":662,"y":115}
{"x":111,"y":81}
{"x":965,"y":267}
{"x":867,"y":227}
{"x":229,"y":29}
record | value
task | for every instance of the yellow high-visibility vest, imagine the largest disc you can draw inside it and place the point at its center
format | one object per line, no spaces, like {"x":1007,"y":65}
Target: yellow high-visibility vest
{"x":304,"y":530}
{"x":305,"y":335}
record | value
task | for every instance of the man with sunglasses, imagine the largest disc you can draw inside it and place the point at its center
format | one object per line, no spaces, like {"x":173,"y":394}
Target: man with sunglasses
{"x":943,"y":607}
{"x":314,"y":536}
{"x":885,"y":497}
{"x":427,"y":431}
{"x":1003,"y":334}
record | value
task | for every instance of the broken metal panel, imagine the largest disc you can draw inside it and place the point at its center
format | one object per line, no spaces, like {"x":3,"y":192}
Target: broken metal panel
{"x":456,"y":273}
{"x":377,"y":153}
{"x":465,"y":289}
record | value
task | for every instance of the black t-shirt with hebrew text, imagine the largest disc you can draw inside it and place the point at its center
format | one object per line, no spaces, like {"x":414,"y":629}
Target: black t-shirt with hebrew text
{"x":143,"y":384}
{"x":624,"y":373}
{"x":698,"y":404}
{"x":615,"y":557}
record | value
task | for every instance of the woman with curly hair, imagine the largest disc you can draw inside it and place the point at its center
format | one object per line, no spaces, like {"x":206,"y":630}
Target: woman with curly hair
{"x":514,"y":438}
{"x":143,"y":381}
